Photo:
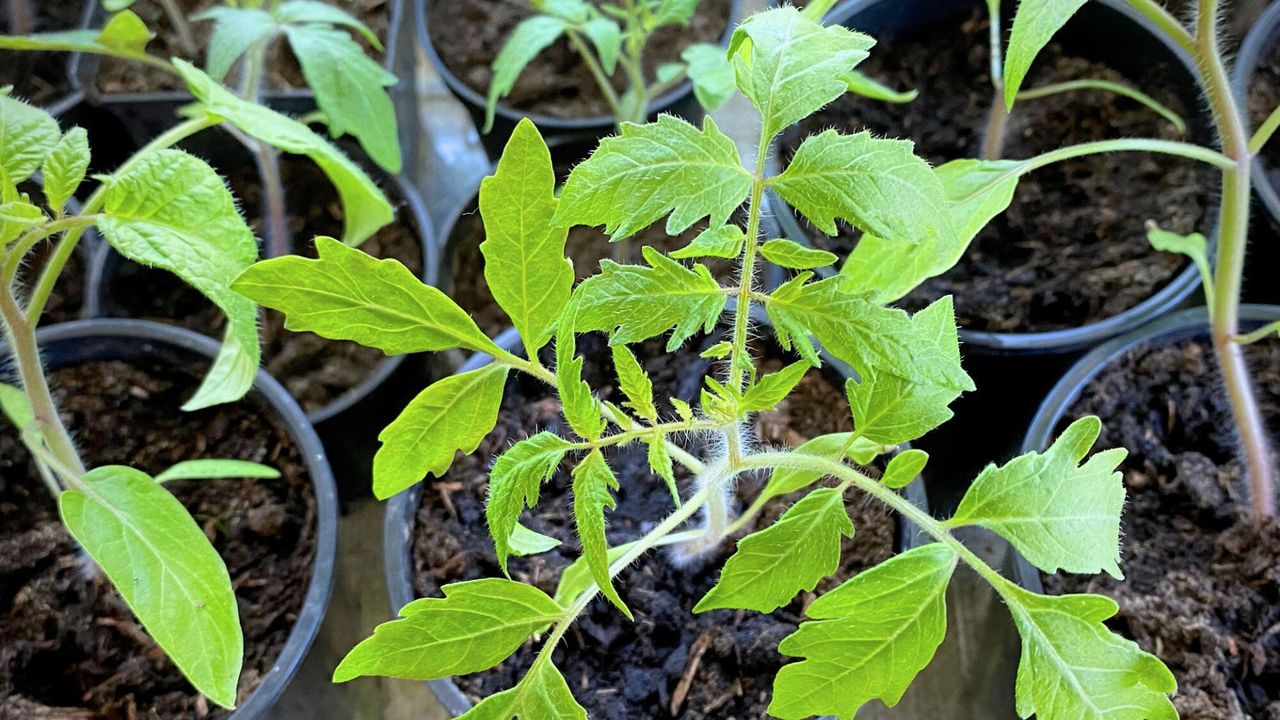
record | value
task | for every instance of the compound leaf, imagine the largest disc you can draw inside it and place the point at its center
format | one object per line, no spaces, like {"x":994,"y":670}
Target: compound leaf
{"x":515,"y":482}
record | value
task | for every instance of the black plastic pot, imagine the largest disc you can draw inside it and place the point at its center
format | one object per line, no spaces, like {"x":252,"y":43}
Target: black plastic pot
{"x":133,"y":340}
{"x":401,"y":518}
{"x":579,"y":131}
{"x":1260,"y":43}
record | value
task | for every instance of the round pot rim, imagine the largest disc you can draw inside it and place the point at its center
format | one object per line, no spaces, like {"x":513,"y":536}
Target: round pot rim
{"x":543,"y":121}
{"x":1159,"y":303}
{"x":1261,"y":39}
{"x":319,"y":586}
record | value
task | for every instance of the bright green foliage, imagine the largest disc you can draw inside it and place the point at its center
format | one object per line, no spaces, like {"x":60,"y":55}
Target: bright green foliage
{"x":524,"y":542}
{"x":867,"y":87}
{"x":475,"y":626}
{"x":65,"y":167}
{"x":301,"y":12}
{"x":235,"y":30}
{"x":515,"y":482}
{"x":791,"y":254}
{"x":868,"y":638}
{"x":576,"y":579}
{"x":788,"y":557}
{"x":1056,"y":512}
{"x":634,"y":382}
{"x":171,"y":210}
{"x":837,"y":446}
{"x":527,"y":41}
{"x":16,"y":216}
{"x":668,"y":167}
{"x":790,"y":66}
{"x":165,"y":569}
{"x":721,"y":242}
{"x":713,"y":76}
{"x":593,"y":486}
{"x":607,"y":37}
{"x":1195,"y":246}
{"x":215,"y":468}
{"x":124,"y":36}
{"x":904,"y":468}
{"x":1034,"y":25}
{"x":346,"y":294}
{"x":541,"y":695}
{"x":773,"y":388}
{"x":1074,"y":668}
{"x":524,"y":263}
{"x":16,"y":407}
{"x":452,"y":415}
{"x":27,"y":136}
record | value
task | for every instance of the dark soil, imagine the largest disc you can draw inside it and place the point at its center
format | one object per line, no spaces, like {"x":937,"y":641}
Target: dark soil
{"x":283,"y":73}
{"x":468,"y":34}
{"x":40,"y":78}
{"x":618,"y":669}
{"x":315,"y":371}
{"x":1072,"y":248}
{"x":1202,"y":588}
{"x":69,"y":646}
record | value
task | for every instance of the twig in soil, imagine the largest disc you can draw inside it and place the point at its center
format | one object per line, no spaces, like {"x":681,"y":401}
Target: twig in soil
{"x":690,"y":671}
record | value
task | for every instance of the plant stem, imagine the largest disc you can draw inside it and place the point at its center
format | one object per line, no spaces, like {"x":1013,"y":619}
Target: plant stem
{"x":1173,"y":29}
{"x":1264,"y":132}
{"x":279,"y":241}
{"x":1114,"y":88}
{"x":182,"y":27}
{"x":998,"y":114}
{"x":606,"y":87}
{"x":1165,"y":147}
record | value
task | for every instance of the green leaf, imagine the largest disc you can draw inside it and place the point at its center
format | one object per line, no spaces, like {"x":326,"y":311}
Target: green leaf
{"x":350,"y":90}
{"x":904,"y":468}
{"x":450,"y":416}
{"x":860,"y":84}
{"x":576,"y":579}
{"x":515,"y":482}
{"x":593,"y":486}
{"x":317,"y":11}
{"x":531,"y":37}
{"x":166,"y":570}
{"x":773,"y":388}
{"x":16,"y":217}
{"x":171,"y":210}
{"x":541,"y":695}
{"x":869,"y":638}
{"x":1195,"y":246}
{"x":722,"y":242}
{"x":27,"y":136}
{"x":475,"y":626}
{"x":581,"y":408}
{"x":347,"y":294}
{"x":525,"y":542}
{"x":711,"y":73}
{"x":124,"y":35}
{"x":675,"y":12}
{"x":789,"y":254}
{"x":574,"y":12}
{"x":719,"y":351}
{"x":524,"y":261}
{"x":1074,"y":668}
{"x":365,"y":209}
{"x":1055,"y":511}
{"x":877,"y":185}
{"x":793,"y":66}
{"x":660,"y":463}
{"x":648,"y":171}
{"x":65,"y":168}
{"x":216,"y":468}
{"x":15,"y":406}
{"x":788,"y":557}
{"x":607,"y":37}
{"x":235,"y":30}
{"x":634,"y":382}
{"x":1034,"y":25}
{"x":117,"y":5}
{"x":635,"y":303}
{"x":836,"y":446}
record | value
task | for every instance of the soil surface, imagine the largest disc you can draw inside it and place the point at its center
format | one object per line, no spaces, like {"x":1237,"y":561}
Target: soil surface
{"x":283,"y":73}
{"x":69,"y":646}
{"x":40,"y":78}
{"x":1202,"y":588}
{"x":315,"y":371}
{"x":619,"y":669}
{"x":1072,"y":247}
{"x":468,"y":34}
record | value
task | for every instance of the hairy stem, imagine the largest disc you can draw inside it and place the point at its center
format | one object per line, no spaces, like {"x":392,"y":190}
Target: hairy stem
{"x":182,"y":27}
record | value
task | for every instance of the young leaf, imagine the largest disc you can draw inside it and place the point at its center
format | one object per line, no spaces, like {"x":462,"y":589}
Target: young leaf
{"x":860,"y":84}
{"x":1195,"y":246}
{"x":648,"y":171}
{"x":635,"y":303}
{"x":722,"y":242}
{"x":165,"y":569}
{"x":576,"y":579}
{"x":515,"y":482}
{"x":788,"y":557}
{"x":660,"y":464}
{"x":347,"y":294}
{"x":531,"y":37}
{"x":365,"y":209}
{"x":350,"y":90}
{"x":235,"y":30}
{"x":475,"y":626}
{"x":904,"y":468}
{"x":795,"y":65}
{"x":124,"y":35}
{"x":299,"y":12}
{"x":582,"y":410}
{"x":593,"y":486}
{"x":171,"y":210}
{"x":1055,"y":511}
{"x":711,"y":73}
{"x":789,"y":254}
{"x":607,"y":37}
{"x":15,"y":406}
{"x":634,"y":382}
{"x":526,"y":542}
{"x":675,"y":12}
{"x":453,"y":415}
{"x":216,"y":468}
{"x":524,"y":262}
{"x":877,"y":185}
{"x":1034,"y":25}
{"x":27,"y":136}
{"x":541,"y":695}
{"x":16,"y":217}
{"x":1074,"y":668}
{"x":836,"y":446}
{"x":65,"y":168}
{"x":773,"y":388}
{"x":868,"y":638}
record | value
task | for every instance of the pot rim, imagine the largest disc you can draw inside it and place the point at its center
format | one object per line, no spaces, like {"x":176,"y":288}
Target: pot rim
{"x":1261,"y":40}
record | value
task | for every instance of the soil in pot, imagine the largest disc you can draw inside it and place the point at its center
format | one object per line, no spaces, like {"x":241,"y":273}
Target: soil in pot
{"x":468,"y":34}
{"x":314,"y":370}
{"x":69,"y":646}
{"x":1202,"y":588}
{"x":617,"y":669}
{"x":283,"y":73}
{"x":40,"y":78}
{"x":1072,"y":248}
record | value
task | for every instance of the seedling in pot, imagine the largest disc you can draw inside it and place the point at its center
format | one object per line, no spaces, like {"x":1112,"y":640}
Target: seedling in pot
{"x":869,"y":637}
